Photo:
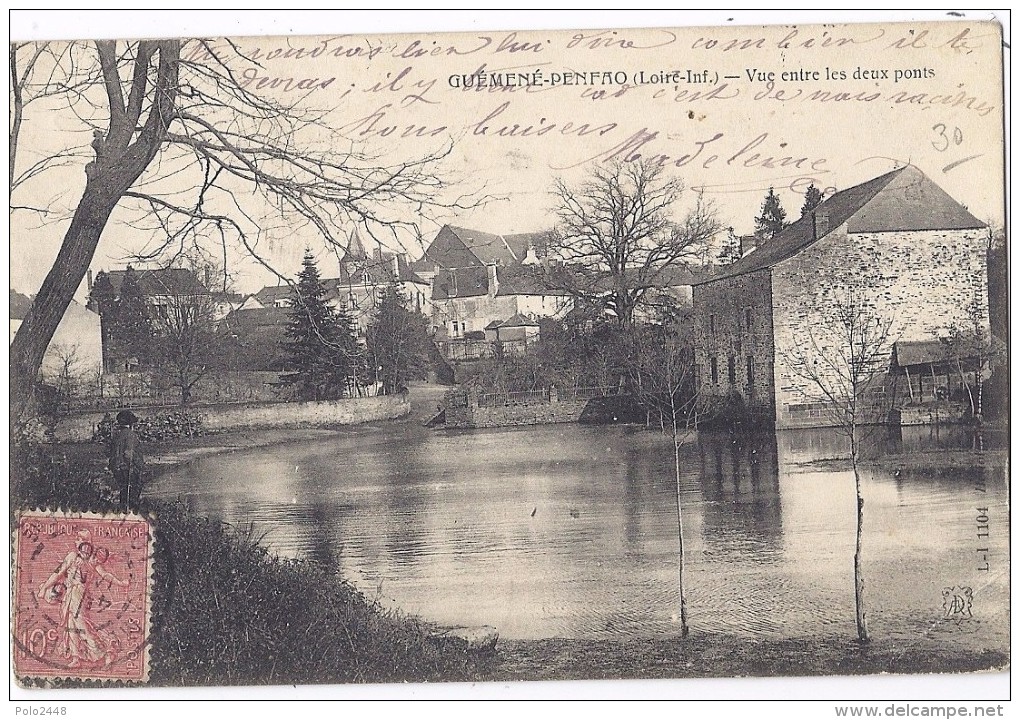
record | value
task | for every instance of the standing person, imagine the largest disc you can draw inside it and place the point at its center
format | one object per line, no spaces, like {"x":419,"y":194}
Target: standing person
{"x":126,"y":459}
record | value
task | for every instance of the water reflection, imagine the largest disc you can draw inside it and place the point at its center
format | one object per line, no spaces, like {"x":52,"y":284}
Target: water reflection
{"x":571,"y":531}
{"x":740,"y":486}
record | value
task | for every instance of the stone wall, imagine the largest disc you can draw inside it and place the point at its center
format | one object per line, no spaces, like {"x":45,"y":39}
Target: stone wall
{"x":79,"y":428}
{"x":721,"y":311}
{"x":463,"y":411}
{"x":921,"y":282}
{"x":568,"y":411}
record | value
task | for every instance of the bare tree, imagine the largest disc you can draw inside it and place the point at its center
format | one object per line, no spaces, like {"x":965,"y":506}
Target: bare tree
{"x":845,"y":362}
{"x":185,"y":338}
{"x":618,"y":234}
{"x":188,"y":152}
{"x":69,"y":370}
{"x":664,"y":379}
{"x":970,"y":343}
{"x":39,"y":70}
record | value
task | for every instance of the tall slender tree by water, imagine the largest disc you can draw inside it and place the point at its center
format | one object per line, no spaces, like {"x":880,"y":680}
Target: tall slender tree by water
{"x":843,"y":362}
{"x":663,"y":376}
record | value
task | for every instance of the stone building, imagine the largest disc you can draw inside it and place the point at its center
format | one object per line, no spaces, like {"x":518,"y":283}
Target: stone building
{"x":76,"y":349}
{"x":911,"y":255}
{"x":467,"y":300}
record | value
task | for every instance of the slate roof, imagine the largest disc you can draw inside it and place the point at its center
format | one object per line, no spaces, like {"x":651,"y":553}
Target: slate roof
{"x":162,"y":281}
{"x":920,"y":352}
{"x":518,"y":320}
{"x":380,"y":270}
{"x":249,"y":319}
{"x":520,"y":242}
{"x":904,"y":199}
{"x":463,"y":282}
{"x":271,"y":293}
{"x":488,"y":248}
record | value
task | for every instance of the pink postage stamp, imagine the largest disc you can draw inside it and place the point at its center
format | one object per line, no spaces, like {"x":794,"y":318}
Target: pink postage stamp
{"x":82,"y":596}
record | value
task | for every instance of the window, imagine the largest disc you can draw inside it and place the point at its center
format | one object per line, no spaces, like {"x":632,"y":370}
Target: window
{"x":732,"y":370}
{"x":747,"y":319}
{"x":750,"y":374}
{"x":739,"y":346}
{"x":715,"y":369}
{"x":711,"y":324}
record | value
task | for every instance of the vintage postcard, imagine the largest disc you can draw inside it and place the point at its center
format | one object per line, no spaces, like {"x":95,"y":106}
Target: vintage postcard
{"x":498,"y":355}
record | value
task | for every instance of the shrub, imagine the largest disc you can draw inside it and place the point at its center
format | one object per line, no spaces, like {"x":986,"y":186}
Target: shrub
{"x":163,"y":426}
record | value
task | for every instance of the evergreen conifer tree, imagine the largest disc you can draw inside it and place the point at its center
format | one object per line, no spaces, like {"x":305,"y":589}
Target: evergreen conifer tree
{"x":321,"y":342}
{"x":812,"y":199}
{"x":772,"y":219}
{"x":133,"y":329}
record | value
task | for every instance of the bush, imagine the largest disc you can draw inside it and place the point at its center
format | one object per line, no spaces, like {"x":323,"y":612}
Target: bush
{"x":164,"y":426}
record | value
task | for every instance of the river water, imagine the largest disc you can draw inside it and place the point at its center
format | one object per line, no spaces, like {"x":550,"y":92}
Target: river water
{"x":571,"y":531}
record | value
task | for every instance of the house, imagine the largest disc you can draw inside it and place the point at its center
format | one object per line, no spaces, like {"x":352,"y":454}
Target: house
{"x":672,"y":290}
{"x":277,"y":296}
{"x":515,"y":334}
{"x":360,"y":285}
{"x":223,"y":303}
{"x":914,"y":254}
{"x":481,"y":280}
{"x":76,"y":350}
{"x":363,"y":280}
{"x":164,"y":286}
{"x":468,"y":300}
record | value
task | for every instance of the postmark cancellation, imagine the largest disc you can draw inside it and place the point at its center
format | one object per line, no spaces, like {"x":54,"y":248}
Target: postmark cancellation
{"x":82,"y":596}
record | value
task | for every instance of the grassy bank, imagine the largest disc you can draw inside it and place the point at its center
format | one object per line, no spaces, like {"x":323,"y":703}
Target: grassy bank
{"x":708,"y":655}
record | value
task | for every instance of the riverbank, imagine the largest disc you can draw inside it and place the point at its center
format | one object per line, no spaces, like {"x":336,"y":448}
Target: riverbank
{"x":712,"y":655}
{"x":701,"y":655}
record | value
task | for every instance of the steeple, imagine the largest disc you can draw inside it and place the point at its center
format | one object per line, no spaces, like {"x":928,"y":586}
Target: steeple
{"x":355,"y":248}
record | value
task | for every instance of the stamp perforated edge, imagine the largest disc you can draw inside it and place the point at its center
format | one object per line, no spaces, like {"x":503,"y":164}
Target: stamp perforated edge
{"x":30,"y":681}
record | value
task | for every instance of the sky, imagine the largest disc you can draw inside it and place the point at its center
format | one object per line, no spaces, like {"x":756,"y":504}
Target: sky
{"x":781,"y":106}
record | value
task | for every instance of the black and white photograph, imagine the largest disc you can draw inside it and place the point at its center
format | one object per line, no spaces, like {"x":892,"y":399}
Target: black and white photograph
{"x":672,"y":352}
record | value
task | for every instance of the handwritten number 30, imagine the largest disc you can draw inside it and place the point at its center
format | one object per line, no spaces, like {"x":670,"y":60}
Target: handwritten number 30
{"x":942,"y":140}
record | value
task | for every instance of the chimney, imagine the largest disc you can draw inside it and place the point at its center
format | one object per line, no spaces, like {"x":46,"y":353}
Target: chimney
{"x":493,"y":280}
{"x":208,"y":277}
{"x":748,"y":243}
{"x":396,"y":266}
{"x":821,"y":222}
{"x":89,"y":276}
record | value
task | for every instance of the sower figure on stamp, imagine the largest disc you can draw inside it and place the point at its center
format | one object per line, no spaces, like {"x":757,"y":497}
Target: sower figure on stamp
{"x":126,"y":459}
{"x":72,"y":585}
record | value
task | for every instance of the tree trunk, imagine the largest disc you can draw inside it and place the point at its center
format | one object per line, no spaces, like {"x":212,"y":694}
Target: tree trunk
{"x":117,"y":165}
{"x":861,"y":615}
{"x":56,"y":293}
{"x":684,"y":629}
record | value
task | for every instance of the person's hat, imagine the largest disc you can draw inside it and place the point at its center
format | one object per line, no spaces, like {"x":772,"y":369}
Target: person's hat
{"x":126,"y":417}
